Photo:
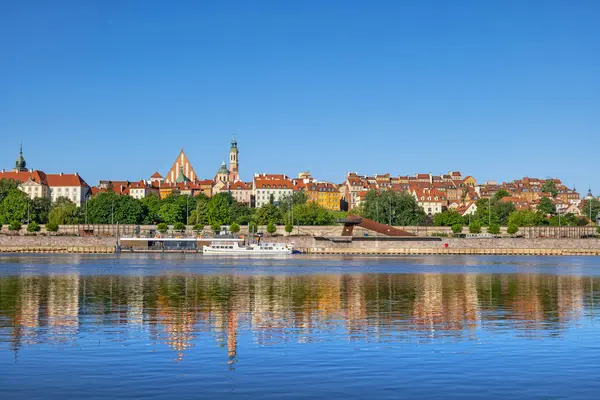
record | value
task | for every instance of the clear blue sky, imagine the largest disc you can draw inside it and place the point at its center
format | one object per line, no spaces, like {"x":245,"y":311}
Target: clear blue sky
{"x":113,"y":89}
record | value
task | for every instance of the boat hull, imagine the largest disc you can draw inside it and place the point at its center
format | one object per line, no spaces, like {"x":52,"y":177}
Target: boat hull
{"x":242,"y":252}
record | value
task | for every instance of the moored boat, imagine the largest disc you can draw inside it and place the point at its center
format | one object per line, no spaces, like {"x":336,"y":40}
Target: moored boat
{"x":233,"y":247}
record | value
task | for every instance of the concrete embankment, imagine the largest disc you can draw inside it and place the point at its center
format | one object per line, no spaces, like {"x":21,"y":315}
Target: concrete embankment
{"x":57,"y":244}
{"x":310,"y":245}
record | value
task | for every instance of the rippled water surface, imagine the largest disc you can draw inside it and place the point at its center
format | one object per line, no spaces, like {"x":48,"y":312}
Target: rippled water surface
{"x":191,"y":327}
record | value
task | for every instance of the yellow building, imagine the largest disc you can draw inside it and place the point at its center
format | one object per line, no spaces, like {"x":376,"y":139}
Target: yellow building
{"x":325,"y":194}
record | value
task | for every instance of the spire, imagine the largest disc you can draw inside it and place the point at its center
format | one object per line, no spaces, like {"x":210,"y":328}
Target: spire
{"x":181,"y":178}
{"x":20,"y":164}
{"x":233,"y":143}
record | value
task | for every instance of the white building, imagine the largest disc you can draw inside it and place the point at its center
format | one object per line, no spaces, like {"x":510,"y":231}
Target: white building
{"x":266,"y":185}
{"x":70,"y":186}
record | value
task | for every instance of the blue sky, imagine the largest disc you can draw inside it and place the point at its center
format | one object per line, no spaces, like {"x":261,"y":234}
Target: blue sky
{"x":113,"y":89}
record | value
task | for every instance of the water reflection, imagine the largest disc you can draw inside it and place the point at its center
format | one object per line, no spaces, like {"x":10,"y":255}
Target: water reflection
{"x":173,"y":310}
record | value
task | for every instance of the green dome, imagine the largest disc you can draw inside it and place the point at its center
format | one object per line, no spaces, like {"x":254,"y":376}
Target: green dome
{"x":223,"y":169}
{"x":20,"y":164}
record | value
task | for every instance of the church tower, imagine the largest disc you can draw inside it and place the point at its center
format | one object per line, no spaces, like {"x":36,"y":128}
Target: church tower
{"x":234,"y":174}
{"x":20,"y":164}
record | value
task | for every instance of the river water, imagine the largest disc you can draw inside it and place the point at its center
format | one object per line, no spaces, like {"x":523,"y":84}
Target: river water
{"x":184,"y":326}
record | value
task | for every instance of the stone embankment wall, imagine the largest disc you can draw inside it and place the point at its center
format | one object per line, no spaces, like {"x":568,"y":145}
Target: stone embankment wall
{"x":501,"y":243}
{"x":58,"y":241}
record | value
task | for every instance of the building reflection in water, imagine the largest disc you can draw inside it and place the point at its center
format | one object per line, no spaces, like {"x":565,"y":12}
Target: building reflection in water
{"x":175,"y":310}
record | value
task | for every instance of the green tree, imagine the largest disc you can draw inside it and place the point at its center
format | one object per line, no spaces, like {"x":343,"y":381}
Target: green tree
{"x":494,"y":229}
{"x":234,"y":227}
{"x":101,"y":208}
{"x":6,"y":185}
{"x":493,"y":210}
{"x":202,"y":211}
{"x":173,"y":209}
{"x":447,"y":218}
{"x":500,"y":194}
{"x":457,"y":228}
{"x":52,"y":227}
{"x":590,"y":208}
{"x":525,"y":218}
{"x":550,"y":187}
{"x":512,"y":228}
{"x":39,"y":209}
{"x":267,"y":213}
{"x":568,"y":219}
{"x":33,"y":227}
{"x":63,"y":212}
{"x":151,"y":209}
{"x":475,"y":227}
{"x":14,"y":206}
{"x":219,"y":209}
{"x":271,"y":199}
{"x":15,"y":226}
{"x":312,"y":214}
{"x":546,"y":206}
{"x":286,"y":202}
{"x":162,"y":227}
{"x":179,"y":226}
{"x":198,"y":228}
{"x":271,"y":228}
{"x":597,"y":230}
{"x":393,"y":208}
{"x":216,"y":228}
{"x":289,"y":227}
{"x":240,"y":213}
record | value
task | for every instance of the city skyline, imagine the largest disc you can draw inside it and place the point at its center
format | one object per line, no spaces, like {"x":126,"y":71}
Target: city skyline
{"x":493,"y":89}
{"x":247,"y":176}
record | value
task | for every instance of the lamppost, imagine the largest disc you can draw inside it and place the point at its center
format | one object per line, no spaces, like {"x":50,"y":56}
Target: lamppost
{"x":489,"y":211}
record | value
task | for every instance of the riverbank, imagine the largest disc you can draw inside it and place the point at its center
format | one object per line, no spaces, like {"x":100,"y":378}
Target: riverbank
{"x":312,"y":245}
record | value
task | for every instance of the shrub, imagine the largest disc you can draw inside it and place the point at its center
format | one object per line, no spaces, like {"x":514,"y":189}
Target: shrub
{"x":216,"y":228}
{"x":252,"y":227}
{"x":512,"y":229}
{"x":475,"y":227}
{"x":234,"y":227}
{"x":289,"y":227}
{"x":52,"y":227}
{"x":0,"y":226}
{"x":597,"y":229}
{"x":198,"y":228}
{"x":439,"y":234}
{"x":457,"y":228}
{"x":162,"y":227}
{"x":14,"y":226}
{"x":33,"y":227}
{"x":271,"y":228}
{"x":494,"y":229}
{"x":179,"y":226}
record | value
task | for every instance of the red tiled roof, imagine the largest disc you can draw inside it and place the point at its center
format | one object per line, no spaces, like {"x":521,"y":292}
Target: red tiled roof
{"x":65,"y":180}
{"x":156,"y":175}
{"x":273,"y":184}
{"x":36,"y":176}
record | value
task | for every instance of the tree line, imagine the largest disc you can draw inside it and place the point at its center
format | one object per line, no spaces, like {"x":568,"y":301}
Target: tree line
{"x":110,"y":208}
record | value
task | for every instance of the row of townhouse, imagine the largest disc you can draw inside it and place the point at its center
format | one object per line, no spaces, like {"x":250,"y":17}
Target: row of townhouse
{"x":434,"y":193}
{"x":263,"y":189}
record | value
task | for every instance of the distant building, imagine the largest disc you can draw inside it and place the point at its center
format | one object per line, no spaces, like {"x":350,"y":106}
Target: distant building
{"x":38,"y":184}
{"x":181,"y":166}
{"x":267,"y":186}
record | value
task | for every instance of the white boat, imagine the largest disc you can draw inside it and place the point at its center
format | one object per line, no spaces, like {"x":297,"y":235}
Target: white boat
{"x":235,"y":247}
